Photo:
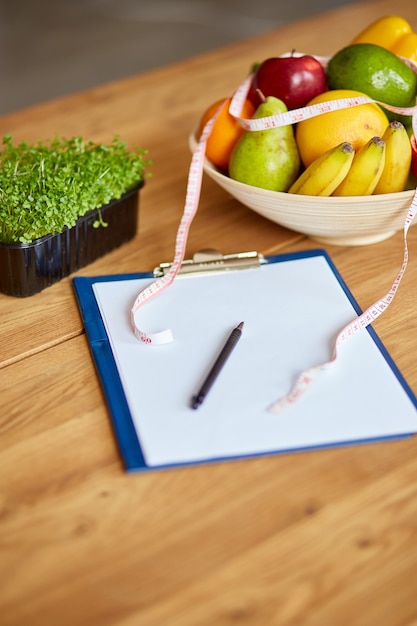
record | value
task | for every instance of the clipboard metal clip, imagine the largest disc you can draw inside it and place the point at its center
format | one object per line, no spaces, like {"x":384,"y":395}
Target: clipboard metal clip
{"x":210,"y":260}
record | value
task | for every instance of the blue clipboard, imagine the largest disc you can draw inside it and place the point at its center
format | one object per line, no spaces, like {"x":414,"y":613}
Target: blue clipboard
{"x":113,"y":379}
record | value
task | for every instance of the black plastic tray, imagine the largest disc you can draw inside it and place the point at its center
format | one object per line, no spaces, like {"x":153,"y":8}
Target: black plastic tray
{"x":27,"y":268}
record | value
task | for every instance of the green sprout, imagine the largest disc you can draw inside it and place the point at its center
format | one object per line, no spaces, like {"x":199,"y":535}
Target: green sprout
{"x":48,"y":186}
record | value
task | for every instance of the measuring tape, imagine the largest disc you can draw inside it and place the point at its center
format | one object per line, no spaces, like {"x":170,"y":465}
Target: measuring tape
{"x":195,"y":176}
{"x":191,"y":205}
{"x":367,"y":317}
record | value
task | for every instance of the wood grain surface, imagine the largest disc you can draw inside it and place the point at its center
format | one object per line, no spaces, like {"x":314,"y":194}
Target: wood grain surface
{"x":321,"y":538}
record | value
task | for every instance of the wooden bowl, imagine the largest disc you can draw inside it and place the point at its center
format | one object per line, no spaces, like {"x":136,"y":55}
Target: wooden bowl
{"x":350,"y":220}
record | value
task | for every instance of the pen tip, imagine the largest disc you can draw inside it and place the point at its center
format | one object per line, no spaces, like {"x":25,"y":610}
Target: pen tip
{"x":240,"y":326}
{"x":195,"y":402}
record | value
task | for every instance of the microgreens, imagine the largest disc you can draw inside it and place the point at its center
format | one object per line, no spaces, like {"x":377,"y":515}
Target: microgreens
{"x":48,"y":186}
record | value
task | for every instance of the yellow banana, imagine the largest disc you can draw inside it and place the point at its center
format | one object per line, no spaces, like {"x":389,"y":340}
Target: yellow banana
{"x":395,"y":174}
{"x":365,"y":171}
{"x":326,"y":172}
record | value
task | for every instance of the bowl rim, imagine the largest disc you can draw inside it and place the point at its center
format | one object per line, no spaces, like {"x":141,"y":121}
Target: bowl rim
{"x":211,"y":169}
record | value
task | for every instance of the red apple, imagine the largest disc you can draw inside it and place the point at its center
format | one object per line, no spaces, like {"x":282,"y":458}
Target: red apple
{"x":413,"y":155}
{"x":293,"y":79}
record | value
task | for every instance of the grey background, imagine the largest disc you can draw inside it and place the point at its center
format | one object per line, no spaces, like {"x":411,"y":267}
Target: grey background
{"x":49,"y":48}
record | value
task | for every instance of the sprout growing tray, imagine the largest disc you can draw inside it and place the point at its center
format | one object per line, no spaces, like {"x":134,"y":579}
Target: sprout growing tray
{"x":27,"y":268}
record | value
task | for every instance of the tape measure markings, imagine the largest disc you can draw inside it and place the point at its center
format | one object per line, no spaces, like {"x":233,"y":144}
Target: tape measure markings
{"x":193,"y":190}
{"x":352,"y":328}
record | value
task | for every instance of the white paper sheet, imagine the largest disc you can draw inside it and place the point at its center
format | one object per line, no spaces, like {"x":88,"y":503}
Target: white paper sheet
{"x":292,"y":312}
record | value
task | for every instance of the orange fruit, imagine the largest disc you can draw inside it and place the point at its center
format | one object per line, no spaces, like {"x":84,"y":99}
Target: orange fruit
{"x":356,"y":125}
{"x":225,"y":132}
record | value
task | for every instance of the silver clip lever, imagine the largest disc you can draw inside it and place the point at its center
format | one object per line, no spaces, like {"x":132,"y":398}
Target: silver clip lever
{"x":210,"y":260}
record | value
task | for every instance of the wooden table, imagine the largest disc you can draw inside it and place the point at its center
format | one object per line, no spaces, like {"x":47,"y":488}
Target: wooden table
{"x":326,"y":537}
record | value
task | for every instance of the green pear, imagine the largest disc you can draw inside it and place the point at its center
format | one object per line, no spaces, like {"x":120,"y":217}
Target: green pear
{"x":266,"y":158}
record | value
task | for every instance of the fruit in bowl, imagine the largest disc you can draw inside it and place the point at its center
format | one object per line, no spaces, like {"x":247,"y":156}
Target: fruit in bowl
{"x":337,"y":220}
{"x":293,"y":79}
{"x":226,"y":131}
{"x":356,"y":124}
{"x":267,"y":158}
{"x":344,"y":142}
{"x":373,"y":69}
{"x":394,"y":33}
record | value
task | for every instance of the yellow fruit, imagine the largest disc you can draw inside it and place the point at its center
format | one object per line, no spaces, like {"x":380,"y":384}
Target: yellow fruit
{"x":406,"y":46}
{"x":384,"y":31}
{"x":356,"y":125}
{"x":392,"y":32}
{"x":326,"y":173}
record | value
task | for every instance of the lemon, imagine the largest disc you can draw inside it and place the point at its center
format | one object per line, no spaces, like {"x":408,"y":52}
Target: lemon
{"x":356,"y":125}
{"x":376,"y":71}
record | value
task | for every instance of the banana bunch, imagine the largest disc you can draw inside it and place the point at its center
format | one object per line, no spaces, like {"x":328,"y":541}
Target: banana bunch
{"x":382,"y":165}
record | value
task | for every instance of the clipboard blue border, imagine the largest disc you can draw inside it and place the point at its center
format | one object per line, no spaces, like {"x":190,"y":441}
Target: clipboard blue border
{"x":111,"y":384}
